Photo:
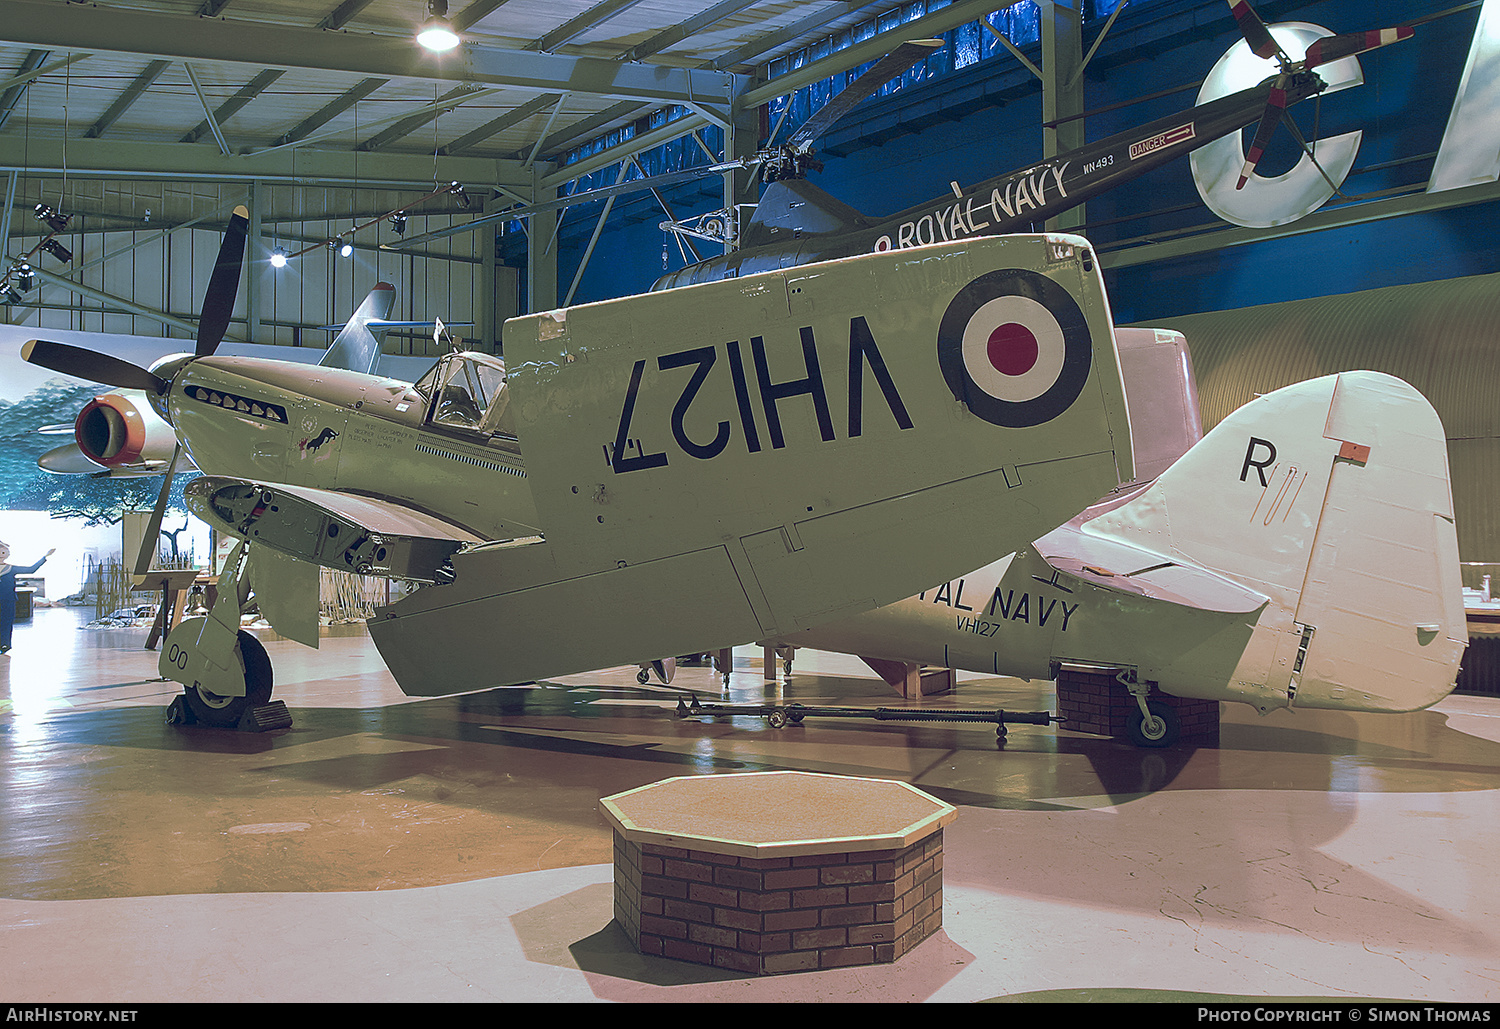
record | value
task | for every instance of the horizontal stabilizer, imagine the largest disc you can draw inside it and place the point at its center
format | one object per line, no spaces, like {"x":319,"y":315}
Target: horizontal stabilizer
{"x":357,"y":348}
{"x":1127,"y":569}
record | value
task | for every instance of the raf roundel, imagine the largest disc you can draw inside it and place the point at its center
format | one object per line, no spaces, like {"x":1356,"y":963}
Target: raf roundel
{"x":1014,"y":347}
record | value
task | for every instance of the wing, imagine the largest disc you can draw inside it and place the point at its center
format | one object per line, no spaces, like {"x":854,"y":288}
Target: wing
{"x":344,"y":531}
{"x":729,"y":461}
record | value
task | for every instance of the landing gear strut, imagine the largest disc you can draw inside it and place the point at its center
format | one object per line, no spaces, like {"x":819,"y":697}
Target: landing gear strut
{"x":1155,"y":723}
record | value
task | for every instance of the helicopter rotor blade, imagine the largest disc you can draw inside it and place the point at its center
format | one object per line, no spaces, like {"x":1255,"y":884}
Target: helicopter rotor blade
{"x":1275,"y":108}
{"x":1256,"y":34}
{"x":1333,"y":48}
{"x":882,"y":71}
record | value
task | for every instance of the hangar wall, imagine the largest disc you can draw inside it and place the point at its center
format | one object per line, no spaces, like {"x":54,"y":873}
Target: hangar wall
{"x":1439,"y":336}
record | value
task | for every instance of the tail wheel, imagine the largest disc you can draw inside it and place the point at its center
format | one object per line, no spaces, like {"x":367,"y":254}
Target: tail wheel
{"x":226,"y":712}
{"x":1162,"y":729}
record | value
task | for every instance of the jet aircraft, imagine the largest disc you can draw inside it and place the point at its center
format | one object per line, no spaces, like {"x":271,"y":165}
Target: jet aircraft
{"x":734,"y":451}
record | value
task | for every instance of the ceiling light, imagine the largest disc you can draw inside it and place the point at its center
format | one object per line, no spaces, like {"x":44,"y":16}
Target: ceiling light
{"x":464,"y":200}
{"x":436,"y":34}
{"x":346,"y":249}
{"x":26,"y":278}
{"x":398,"y":222}
{"x":57,"y":250}
{"x":278,"y":258}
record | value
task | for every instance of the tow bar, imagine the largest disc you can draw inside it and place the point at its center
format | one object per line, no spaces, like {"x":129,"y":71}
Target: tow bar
{"x":779,"y":715}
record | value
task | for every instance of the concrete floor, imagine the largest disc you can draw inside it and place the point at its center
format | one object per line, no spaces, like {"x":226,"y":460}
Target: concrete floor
{"x":389,"y":849}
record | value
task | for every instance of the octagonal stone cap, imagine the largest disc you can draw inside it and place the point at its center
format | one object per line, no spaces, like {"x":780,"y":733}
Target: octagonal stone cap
{"x":777,"y":814}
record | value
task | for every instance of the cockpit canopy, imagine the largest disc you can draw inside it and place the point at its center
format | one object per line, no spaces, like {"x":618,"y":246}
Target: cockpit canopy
{"x":466,"y":391}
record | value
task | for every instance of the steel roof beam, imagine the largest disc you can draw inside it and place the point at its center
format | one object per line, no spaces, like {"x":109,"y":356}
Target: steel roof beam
{"x":575,"y":27}
{"x":12,"y":96}
{"x":230,"y":107}
{"x":144,"y":161}
{"x":331,"y":110}
{"x":116,"y":30}
{"x":131,"y":94}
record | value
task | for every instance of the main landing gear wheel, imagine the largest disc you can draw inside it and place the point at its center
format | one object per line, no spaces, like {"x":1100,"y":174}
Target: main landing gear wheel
{"x":226,"y":712}
{"x":1161,"y":730}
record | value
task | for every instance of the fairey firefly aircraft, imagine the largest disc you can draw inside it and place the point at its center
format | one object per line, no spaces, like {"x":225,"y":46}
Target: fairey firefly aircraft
{"x":1303,"y":554}
{"x":120,"y":436}
{"x":661,"y":474}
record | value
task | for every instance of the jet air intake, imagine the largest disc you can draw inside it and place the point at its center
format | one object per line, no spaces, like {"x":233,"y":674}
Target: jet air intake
{"x":335,"y":530}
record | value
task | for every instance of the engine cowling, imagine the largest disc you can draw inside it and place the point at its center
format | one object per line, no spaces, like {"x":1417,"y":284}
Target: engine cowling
{"x":116,"y":429}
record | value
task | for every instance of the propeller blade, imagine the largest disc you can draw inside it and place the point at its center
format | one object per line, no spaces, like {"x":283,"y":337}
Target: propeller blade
{"x":1275,"y":107}
{"x":881,"y":72}
{"x":1332,"y":48}
{"x":223,"y":285}
{"x":1255,"y":32}
{"x":91,"y":365}
{"x":144,"y":558}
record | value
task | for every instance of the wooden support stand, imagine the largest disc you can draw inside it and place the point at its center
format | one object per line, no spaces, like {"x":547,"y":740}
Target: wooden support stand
{"x":911,"y":680}
{"x":173,"y":585}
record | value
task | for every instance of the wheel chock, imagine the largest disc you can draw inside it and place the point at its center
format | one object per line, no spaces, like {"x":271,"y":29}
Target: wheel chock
{"x":266,"y":717}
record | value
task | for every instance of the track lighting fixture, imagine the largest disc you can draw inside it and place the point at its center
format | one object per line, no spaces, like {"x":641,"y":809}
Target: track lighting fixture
{"x":464,"y":200}
{"x":48,"y":216}
{"x":57,"y":250}
{"x":398,"y":223}
{"x":25,"y":278}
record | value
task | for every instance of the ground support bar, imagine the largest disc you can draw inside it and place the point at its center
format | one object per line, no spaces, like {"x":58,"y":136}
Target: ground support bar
{"x":778,"y":715}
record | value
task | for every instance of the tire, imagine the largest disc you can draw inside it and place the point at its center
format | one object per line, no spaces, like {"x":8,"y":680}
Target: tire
{"x":1163,"y":732}
{"x":226,"y":712}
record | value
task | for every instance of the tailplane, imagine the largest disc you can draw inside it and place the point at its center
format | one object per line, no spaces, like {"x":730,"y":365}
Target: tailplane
{"x":1328,"y":499}
{"x":357,"y":346}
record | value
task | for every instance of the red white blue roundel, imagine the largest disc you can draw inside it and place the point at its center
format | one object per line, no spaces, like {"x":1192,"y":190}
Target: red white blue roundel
{"x":1015,"y":348}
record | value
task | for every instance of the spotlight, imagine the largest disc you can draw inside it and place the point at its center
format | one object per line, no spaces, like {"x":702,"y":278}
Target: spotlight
{"x":398,"y":223}
{"x":346,"y":248}
{"x":26,"y":278}
{"x":436,"y":34}
{"x":49,"y":217}
{"x":10,"y":296}
{"x":464,"y":200}
{"x":58,"y":251}
{"x":278,"y":258}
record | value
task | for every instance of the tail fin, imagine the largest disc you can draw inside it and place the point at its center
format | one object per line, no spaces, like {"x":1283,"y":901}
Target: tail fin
{"x":1331,"y":497}
{"x":357,"y":347}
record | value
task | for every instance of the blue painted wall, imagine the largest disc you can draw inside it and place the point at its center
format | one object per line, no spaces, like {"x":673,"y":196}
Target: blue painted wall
{"x":969,"y":125}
